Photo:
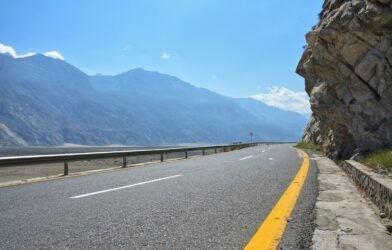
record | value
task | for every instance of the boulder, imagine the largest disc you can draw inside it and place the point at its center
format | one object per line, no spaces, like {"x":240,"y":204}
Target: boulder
{"x":347,"y":66}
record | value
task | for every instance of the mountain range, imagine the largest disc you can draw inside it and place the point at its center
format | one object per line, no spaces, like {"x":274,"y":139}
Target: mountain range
{"x":48,"y":102}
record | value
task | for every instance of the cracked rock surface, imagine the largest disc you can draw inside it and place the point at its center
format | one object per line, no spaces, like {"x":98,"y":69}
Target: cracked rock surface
{"x":347,"y":66}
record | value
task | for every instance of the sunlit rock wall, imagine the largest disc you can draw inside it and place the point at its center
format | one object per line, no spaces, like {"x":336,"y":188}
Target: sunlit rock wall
{"x":347,"y":66}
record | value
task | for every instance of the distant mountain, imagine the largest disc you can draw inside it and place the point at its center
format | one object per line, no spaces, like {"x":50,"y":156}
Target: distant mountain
{"x":45,"y":101}
{"x":291,"y":122}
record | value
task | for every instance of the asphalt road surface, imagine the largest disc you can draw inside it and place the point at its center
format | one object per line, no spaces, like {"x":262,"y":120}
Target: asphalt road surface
{"x":211,"y":202}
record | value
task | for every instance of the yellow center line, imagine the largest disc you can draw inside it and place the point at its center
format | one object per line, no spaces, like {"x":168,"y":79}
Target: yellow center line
{"x":271,"y":231}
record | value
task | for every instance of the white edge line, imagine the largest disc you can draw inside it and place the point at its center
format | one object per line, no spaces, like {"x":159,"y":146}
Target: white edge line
{"x":128,"y":186}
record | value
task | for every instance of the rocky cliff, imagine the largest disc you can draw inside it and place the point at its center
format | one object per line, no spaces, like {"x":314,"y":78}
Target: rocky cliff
{"x":347,"y":66}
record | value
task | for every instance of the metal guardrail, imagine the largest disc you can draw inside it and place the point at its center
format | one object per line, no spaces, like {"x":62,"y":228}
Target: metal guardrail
{"x":65,"y":158}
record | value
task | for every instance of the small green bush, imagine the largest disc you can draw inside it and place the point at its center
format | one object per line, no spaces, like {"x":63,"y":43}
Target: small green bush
{"x":308,"y":145}
{"x":383,"y":158}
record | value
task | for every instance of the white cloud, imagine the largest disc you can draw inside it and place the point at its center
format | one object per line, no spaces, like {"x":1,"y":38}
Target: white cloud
{"x":4,"y":49}
{"x":126,"y":47}
{"x":286,"y":99}
{"x":7,"y":50}
{"x":26,"y":55}
{"x":165,"y":55}
{"x":54,"y":55}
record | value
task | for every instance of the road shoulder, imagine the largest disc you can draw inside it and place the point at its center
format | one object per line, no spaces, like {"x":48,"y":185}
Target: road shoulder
{"x":301,"y":224}
{"x":345,"y":219}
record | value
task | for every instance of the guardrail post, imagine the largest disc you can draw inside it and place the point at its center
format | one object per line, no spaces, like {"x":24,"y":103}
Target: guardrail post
{"x":215,"y":150}
{"x":65,"y":168}
{"x":161,"y":157}
{"x":186,"y":154}
{"x":204,"y":152}
{"x":124,"y":162}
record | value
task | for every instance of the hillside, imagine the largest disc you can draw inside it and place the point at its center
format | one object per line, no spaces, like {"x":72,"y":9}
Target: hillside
{"x":50,"y":102}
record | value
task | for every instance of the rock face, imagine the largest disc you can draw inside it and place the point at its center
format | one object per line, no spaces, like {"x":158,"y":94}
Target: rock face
{"x":347,"y":66}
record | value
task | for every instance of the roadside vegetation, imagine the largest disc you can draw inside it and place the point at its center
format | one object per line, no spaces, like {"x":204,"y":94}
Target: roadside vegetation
{"x":378,"y":159}
{"x":314,"y":147}
{"x":308,"y":145}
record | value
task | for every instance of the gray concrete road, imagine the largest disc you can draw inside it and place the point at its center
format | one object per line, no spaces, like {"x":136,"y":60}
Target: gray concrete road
{"x":212,"y":202}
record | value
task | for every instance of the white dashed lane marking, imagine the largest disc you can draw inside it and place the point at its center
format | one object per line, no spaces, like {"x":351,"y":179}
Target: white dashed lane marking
{"x":123,"y":187}
{"x":247,"y":157}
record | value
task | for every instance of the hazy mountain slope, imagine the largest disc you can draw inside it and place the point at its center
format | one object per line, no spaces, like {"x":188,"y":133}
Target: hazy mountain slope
{"x":48,"y":102}
{"x":198,"y":108}
{"x":292,"y":122}
{"x":45,"y":101}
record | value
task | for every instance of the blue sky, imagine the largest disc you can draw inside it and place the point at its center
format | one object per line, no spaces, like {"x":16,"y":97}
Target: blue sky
{"x":237,"y":48}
